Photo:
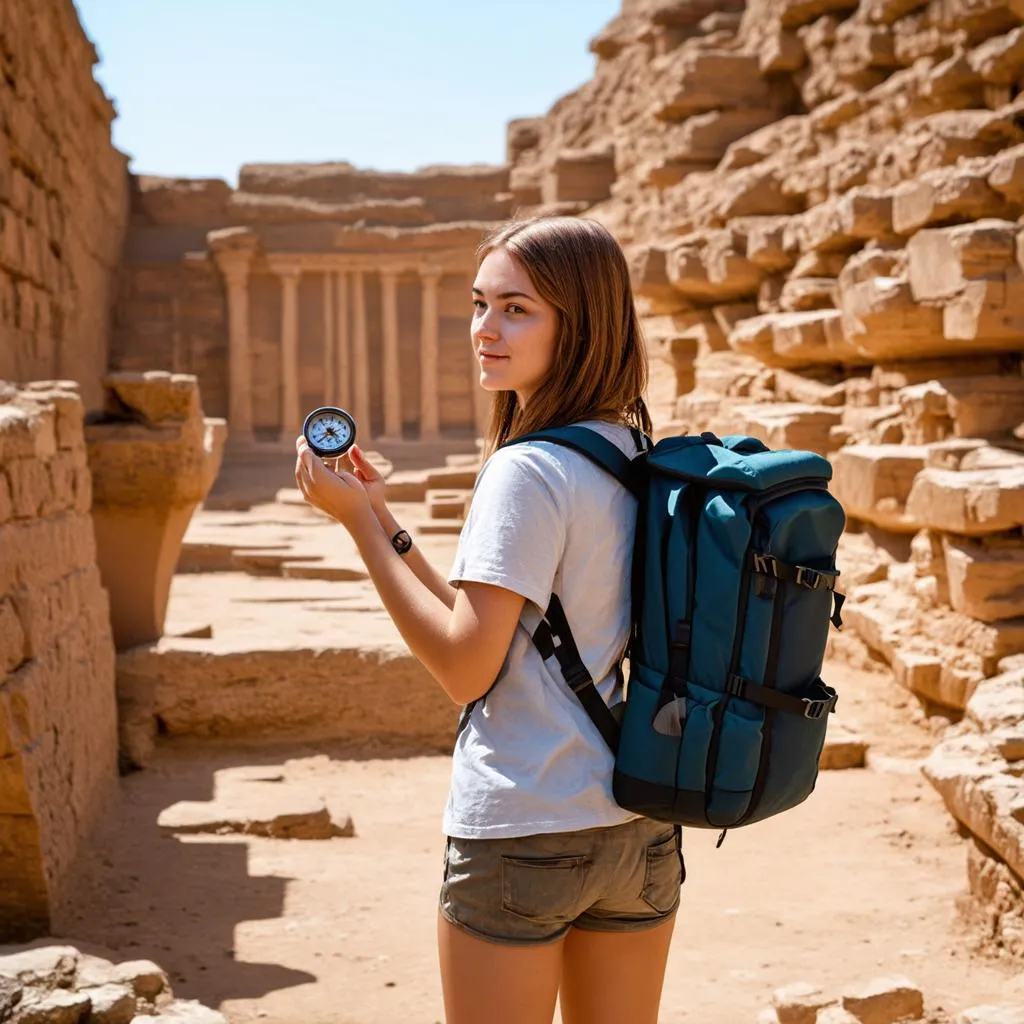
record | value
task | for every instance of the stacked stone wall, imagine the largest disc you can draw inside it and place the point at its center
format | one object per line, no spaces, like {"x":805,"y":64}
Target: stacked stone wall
{"x":822,"y":202}
{"x":63,"y":199}
{"x":58,"y":728}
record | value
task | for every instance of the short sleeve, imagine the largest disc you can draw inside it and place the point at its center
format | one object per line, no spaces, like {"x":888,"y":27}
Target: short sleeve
{"x":514,"y":535}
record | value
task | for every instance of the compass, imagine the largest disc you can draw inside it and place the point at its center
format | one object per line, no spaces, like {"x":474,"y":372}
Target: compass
{"x":329,"y":431}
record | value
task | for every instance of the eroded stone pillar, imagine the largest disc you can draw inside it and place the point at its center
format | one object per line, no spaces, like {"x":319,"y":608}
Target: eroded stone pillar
{"x":233,"y":250}
{"x":291,"y":409}
{"x":342,"y":354}
{"x":153,"y":457}
{"x":390,"y":367}
{"x":360,"y":357}
{"x":430,"y":415}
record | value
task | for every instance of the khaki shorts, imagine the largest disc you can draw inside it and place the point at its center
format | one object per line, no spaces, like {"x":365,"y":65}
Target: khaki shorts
{"x":533,"y":889}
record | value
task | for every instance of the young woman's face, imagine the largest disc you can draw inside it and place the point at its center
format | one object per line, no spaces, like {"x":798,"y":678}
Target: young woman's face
{"x":514,"y":330}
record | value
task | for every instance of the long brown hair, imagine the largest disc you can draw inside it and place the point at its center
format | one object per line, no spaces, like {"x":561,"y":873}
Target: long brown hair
{"x":600,"y":364}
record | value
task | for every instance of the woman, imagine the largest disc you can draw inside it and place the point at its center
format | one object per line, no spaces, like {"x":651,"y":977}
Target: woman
{"x":551,"y":890}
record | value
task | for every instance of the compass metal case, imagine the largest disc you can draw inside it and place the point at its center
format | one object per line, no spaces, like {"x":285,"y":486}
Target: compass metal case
{"x":329,"y":431}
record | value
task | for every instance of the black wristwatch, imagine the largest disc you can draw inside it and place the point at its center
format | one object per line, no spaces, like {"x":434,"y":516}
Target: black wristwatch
{"x":402,"y":542}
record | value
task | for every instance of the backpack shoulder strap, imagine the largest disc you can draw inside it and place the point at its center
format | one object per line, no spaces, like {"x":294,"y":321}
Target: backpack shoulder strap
{"x":593,"y":446}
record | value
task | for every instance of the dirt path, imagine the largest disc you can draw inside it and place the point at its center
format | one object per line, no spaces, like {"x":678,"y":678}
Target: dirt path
{"x":859,"y":881}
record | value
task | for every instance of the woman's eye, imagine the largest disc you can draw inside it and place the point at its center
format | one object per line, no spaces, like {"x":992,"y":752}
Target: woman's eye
{"x":516,"y":309}
{"x":479,"y":304}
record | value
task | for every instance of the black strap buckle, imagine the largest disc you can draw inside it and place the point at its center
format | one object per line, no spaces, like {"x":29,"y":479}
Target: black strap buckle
{"x":577,"y":678}
{"x":809,"y":578}
{"x":816,"y":709}
{"x":766,"y":565}
{"x":736,"y":686}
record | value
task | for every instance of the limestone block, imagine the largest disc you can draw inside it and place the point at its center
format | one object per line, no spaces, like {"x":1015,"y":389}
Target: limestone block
{"x":712,"y":275}
{"x":766,"y":242}
{"x":886,"y":12}
{"x":873,"y":483}
{"x":111,"y":1004}
{"x":885,"y":1001}
{"x":942,"y":139}
{"x":978,"y":791}
{"x":792,"y":387}
{"x":861,"y":214}
{"x":835,"y":1015}
{"x":794,"y":13}
{"x":941,"y":261}
{"x":984,"y":406}
{"x":655,"y":293}
{"x":951,"y":453}
{"x":151,"y":464}
{"x":787,"y":425}
{"x":801,"y":339}
{"x":971,"y":502}
{"x":783,"y":50}
{"x":992,"y":1013}
{"x":881,"y":320}
{"x":986,"y":578}
{"x":703,"y":80}
{"x":946,"y":195}
{"x":925,"y":412}
{"x":806,"y":294}
{"x":579,"y":175}
{"x":1007,"y":174}
{"x":726,"y":373}
{"x":798,"y":1003}
{"x":999,"y":60}
{"x":988,"y":313}
{"x":54,"y":1008}
{"x":706,"y":137}
{"x":183,"y":1011}
{"x":525,"y":185}
{"x":996,"y":708}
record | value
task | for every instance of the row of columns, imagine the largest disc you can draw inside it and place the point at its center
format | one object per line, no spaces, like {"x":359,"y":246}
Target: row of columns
{"x":346,"y":367}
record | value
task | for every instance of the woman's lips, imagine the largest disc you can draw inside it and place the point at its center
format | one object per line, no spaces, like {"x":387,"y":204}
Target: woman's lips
{"x":487,"y":357}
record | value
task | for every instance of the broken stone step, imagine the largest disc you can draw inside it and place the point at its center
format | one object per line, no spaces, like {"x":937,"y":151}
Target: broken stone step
{"x":272,"y":810}
{"x":874,"y":483}
{"x":843,"y":749}
{"x":968,"y":502}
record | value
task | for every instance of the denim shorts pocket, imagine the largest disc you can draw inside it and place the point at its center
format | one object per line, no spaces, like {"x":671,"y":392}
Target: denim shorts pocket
{"x":662,"y":877}
{"x":543,"y":888}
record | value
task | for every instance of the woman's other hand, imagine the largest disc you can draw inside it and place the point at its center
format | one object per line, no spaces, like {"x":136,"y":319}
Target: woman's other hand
{"x":342,"y":495}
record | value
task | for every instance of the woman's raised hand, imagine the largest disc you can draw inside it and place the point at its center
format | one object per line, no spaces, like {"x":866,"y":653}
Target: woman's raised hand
{"x":342,"y":495}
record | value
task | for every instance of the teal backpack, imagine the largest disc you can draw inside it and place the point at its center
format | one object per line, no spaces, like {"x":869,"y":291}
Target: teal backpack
{"x":733,"y":589}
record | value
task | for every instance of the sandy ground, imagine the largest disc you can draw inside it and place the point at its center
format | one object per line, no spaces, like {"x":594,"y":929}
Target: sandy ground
{"x":858,"y":882}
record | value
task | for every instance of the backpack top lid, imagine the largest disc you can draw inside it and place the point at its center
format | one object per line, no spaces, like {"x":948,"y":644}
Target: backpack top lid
{"x":738,"y":463}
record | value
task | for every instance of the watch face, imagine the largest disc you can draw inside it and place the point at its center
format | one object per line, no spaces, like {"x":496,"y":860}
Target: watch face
{"x":329,"y":431}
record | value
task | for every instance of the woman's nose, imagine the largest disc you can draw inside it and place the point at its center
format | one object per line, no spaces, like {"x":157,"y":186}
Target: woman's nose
{"x":487,"y":325}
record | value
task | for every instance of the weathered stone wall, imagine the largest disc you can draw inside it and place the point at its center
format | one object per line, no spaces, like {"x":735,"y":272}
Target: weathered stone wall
{"x":822,"y":202}
{"x":63,"y":199}
{"x":58,"y":728}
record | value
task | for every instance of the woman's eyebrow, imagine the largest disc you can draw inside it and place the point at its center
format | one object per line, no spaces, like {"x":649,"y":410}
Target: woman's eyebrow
{"x":507,"y":295}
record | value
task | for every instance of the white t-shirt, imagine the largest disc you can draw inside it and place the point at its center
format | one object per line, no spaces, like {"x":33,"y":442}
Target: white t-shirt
{"x":545,"y":519}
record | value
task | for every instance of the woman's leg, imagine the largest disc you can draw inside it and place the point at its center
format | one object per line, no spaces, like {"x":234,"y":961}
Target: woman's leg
{"x":611,"y":977}
{"x":492,"y":983}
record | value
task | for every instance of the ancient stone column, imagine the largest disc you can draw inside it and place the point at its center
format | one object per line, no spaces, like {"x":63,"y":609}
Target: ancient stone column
{"x":291,"y":410}
{"x":233,"y":250}
{"x":330,"y":396}
{"x":342,"y":358}
{"x":430,"y":417}
{"x":360,"y":357}
{"x":390,"y":364}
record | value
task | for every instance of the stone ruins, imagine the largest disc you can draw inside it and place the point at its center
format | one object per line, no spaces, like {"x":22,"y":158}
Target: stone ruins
{"x":311,"y":285}
{"x":822,"y":202}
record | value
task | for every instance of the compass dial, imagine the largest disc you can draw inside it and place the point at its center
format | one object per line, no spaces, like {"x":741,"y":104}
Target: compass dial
{"x":329,"y":431}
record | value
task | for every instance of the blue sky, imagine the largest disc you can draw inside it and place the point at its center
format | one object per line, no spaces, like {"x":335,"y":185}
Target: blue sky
{"x":203,"y":86}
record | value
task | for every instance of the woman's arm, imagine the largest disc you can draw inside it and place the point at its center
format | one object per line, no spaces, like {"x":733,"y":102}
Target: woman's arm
{"x":462,"y":646}
{"x":416,"y":560}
